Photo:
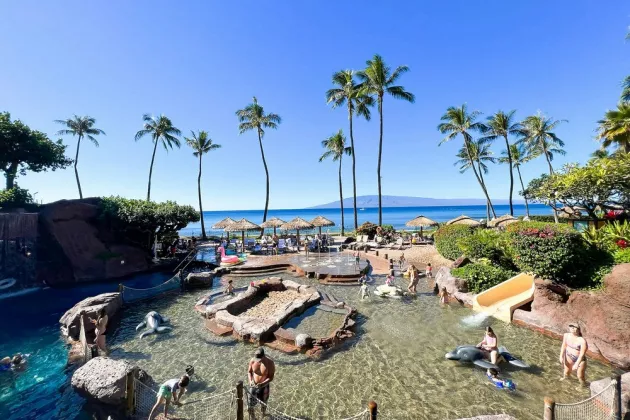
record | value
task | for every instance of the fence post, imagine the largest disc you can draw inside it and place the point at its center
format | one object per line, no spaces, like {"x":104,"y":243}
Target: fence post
{"x":239,"y":400}
{"x":617,"y":403}
{"x":130,"y":393}
{"x":372,"y":410}
{"x":550,"y":406}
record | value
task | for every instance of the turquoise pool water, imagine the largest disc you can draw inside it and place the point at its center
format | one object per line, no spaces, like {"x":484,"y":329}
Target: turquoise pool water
{"x":31,"y":325}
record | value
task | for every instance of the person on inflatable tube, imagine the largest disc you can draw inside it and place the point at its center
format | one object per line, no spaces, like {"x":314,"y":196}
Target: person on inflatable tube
{"x":493,"y":375}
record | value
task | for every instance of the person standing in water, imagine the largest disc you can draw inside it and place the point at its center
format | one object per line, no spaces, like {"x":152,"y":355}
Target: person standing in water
{"x":444,"y":296}
{"x":414,"y":278}
{"x":490,"y":345}
{"x":260,"y":373}
{"x":573,"y":353}
{"x":101,"y":327}
{"x":173,"y":388}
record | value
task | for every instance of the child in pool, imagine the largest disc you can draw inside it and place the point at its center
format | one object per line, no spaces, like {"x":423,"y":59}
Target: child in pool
{"x":401,"y":261}
{"x":429,"y":271}
{"x":444,"y":296}
{"x":493,"y":375}
{"x":363,"y":279}
{"x":389,"y":280}
{"x":229,"y":290}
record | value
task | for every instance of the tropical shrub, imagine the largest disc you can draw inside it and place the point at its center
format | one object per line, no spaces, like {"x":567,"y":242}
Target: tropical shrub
{"x":541,"y":218}
{"x":597,"y":238}
{"x":447,"y":238}
{"x":622,"y":256}
{"x":483,"y":243}
{"x":482,"y":276}
{"x":552,"y":251}
{"x":139,"y":221}
{"x":15,"y":197}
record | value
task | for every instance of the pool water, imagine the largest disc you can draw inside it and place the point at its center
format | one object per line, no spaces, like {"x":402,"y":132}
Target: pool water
{"x":31,"y":325}
{"x":397,"y":359}
{"x":316,"y":322}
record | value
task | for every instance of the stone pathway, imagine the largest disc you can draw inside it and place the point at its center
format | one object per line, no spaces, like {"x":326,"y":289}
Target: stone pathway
{"x":275,"y":302}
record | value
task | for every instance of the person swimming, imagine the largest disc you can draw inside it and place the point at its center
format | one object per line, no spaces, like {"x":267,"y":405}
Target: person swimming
{"x":493,"y":375}
{"x":573,"y":353}
{"x":17,"y":362}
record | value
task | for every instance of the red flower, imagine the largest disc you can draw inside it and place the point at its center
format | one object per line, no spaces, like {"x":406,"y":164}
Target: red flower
{"x":622,"y":243}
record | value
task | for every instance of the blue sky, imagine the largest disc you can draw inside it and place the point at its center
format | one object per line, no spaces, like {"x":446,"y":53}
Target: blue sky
{"x":200,"y":61}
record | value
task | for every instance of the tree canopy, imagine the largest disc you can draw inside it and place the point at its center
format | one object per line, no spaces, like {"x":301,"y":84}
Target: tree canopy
{"x":600,"y":185}
{"x":23,"y":149}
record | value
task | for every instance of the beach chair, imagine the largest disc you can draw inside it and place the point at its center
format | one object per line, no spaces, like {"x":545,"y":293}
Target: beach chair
{"x":290,"y":246}
{"x":282,"y":246}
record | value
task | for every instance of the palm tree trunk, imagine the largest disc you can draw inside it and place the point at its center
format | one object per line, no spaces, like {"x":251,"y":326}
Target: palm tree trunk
{"x":487,"y":202}
{"x":555,"y":213}
{"x":509,"y":156}
{"x":341,"y":196}
{"x":151,"y":169}
{"x":481,"y":183}
{"x":203,"y":226}
{"x":262,"y":153}
{"x":354,"y":173}
{"x":76,"y":172}
{"x":518,"y":169}
{"x":380,"y":153}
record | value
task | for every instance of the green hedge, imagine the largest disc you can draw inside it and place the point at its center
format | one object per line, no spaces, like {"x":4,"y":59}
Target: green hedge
{"x":16,"y":197}
{"x":480,"y":277}
{"x":447,"y":238}
{"x":622,"y":256}
{"x":541,"y":218}
{"x":552,"y":251}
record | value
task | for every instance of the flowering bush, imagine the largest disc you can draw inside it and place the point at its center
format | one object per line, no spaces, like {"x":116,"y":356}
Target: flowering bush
{"x":480,"y":276}
{"x":447,"y":238}
{"x":551,"y":251}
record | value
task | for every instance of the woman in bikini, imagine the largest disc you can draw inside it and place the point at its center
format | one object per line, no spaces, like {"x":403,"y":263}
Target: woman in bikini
{"x":490,"y":345}
{"x":573,"y":353}
{"x":101,"y":327}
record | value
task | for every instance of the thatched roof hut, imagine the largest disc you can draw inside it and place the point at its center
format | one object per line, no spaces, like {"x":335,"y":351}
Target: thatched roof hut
{"x":502,"y":221}
{"x":297,"y":224}
{"x":223,"y":223}
{"x":321,"y":221}
{"x":274,"y":223}
{"x":421,"y":221}
{"x":463,"y":220}
{"x":241,"y":226}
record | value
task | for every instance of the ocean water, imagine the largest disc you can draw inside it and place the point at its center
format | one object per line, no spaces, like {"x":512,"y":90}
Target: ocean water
{"x":396,"y":216}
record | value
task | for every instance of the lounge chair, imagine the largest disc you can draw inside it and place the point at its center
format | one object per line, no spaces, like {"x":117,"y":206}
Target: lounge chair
{"x":282,"y":245}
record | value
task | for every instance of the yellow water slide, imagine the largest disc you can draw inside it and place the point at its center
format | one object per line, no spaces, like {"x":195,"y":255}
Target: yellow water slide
{"x":501,"y":300}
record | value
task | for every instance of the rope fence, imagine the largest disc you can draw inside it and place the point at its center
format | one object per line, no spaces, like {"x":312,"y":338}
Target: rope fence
{"x":227,"y":405}
{"x":605,"y":405}
{"x":129,"y":294}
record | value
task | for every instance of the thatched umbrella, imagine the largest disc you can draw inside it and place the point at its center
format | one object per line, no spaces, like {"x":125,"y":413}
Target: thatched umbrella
{"x":223,"y":224}
{"x":321,"y":221}
{"x":241,"y":226}
{"x":463,"y":220}
{"x":421,"y":221}
{"x":502,"y":221}
{"x":297,"y":224}
{"x":274,"y":223}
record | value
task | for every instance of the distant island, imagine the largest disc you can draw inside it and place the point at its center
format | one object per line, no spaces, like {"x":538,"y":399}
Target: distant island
{"x":368,"y":201}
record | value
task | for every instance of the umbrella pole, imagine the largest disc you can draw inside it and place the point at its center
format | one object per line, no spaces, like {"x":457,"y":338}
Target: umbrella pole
{"x":243,"y":243}
{"x":298,"y":240}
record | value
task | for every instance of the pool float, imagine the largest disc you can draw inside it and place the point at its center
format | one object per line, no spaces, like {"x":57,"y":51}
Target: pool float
{"x":503,"y":383}
{"x":389,"y":291}
{"x":6,"y":283}
{"x":152,"y":322}
{"x":242,"y":257}
{"x":474,"y":355}
{"x":228,"y":260}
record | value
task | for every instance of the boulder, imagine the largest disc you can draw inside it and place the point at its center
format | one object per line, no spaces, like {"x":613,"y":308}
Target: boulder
{"x":454,"y":286}
{"x":303,"y":340}
{"x":104,"y":380}
{"x":71,"y":320}
{"x":203,"y":279}
{"x":291,"y":285}
{"x":598,"y":386}
{"x":460,"y":262}
{"x":553,"y":308}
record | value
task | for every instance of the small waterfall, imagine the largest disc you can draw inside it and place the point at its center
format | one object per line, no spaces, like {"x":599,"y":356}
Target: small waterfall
{"x":475,"y":320}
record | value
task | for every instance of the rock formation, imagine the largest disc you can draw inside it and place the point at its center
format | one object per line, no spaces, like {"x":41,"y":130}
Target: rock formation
{"x":71,"y":320}
{"x":454,"y":286}
{"x":104,"y":380}
{"x":75,"y":247}
{"x":602,"y":315}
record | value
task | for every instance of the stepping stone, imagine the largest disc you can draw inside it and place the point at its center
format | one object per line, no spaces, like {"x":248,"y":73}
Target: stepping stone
{"x":217,"y":329}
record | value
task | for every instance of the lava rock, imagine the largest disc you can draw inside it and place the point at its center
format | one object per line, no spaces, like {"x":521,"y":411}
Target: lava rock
{"x":71,"y":320}
{"x":303,"y":340}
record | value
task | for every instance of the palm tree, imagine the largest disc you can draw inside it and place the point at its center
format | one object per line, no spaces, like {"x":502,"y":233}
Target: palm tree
{"x":478,"y":154}
{"x":162,"y":131}
{"x":376,"y":80}
{"x":459,"y":121}
{"x":348,"y":92}
{"x":614,"y":129}
{"x":502,"y":124}
{"x":537,"y":134}
{"x":335,"y":146}
{"x":519,"y":156}
{"x":625,"y":93}
{"x":201,"y":144}
{"x":80,"y":127}
{"x":253,"y":117}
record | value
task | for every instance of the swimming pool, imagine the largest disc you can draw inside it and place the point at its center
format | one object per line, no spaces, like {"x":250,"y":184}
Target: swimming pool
{"x":31,"y":325}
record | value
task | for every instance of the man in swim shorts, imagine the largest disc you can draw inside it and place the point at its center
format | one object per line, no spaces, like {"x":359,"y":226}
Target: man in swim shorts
{"x":260,"y":373}
{"x":173,"y":388}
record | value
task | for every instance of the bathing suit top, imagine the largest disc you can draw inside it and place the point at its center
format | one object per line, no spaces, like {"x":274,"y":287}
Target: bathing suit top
{"x":490,"y":341}
{"x":577,"y":348}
